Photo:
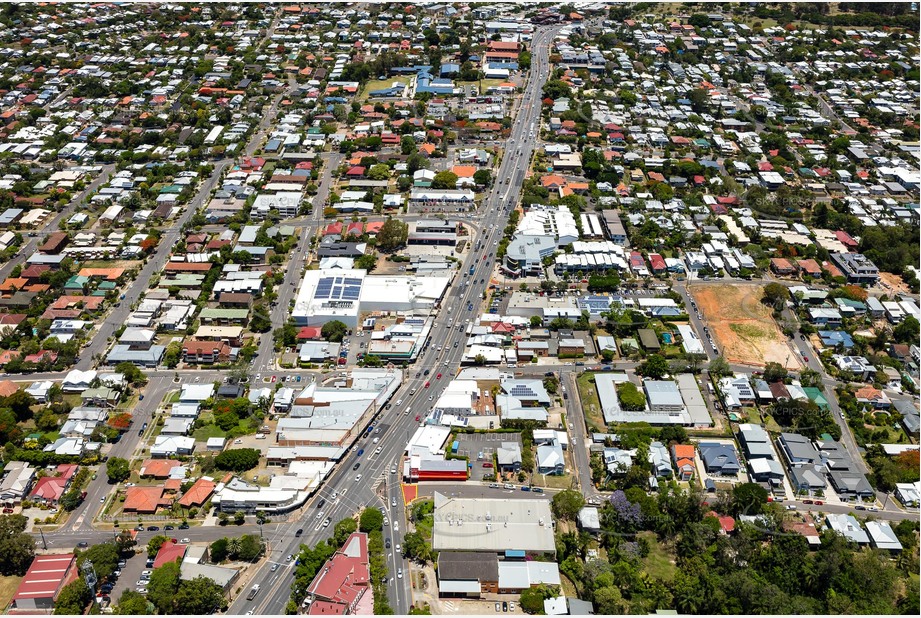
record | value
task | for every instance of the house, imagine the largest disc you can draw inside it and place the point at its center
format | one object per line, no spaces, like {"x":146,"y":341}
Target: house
{"x":50,"y":489}
{"x":508,"y":457}
{"x":550,"y":459}
{"x":170,"y":551}
{"x":873,"y":397}
{"x":103,"y":397}
{"x":198,"y":494}
{"x":848,"y":527}
{"x":882,"y":536}
{"x":659,"y":460}
{"x":719,"y":458}
{"x":797,"y":449}
{"x":158,"y":468}
{"x":145,"y":500}
{"x":165,"y":446}
{"x":683,"y":456}
{"x":589,"y":519}
{"x":17,"y":480}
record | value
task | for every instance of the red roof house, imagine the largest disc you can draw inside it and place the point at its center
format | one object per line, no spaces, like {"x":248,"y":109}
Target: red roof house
{"x":169,"y":552}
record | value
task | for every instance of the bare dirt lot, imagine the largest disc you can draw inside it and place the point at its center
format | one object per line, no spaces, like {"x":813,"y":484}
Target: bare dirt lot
{"x":743,"y":327}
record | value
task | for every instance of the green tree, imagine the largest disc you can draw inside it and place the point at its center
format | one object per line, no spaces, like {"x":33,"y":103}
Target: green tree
{"x":654,"y":367}
{"x":482,"y":177}
{"x":238,"y":459}
{"x":342,"y":530}
{"x":17,"y":549}
{"x":775,"y":294}
{"x":719,"y":367}
{"x":415,"y":547}
{"x":392,"y":235}
{"x":132,"y":603}
{"x":163,"y":586}
{"x":155,"y":543}
{"x":748,"y":499}
{"x":334,"y":330}
{"x":380,"y":171}
{"x":199,"y":597}
{"x":219,"y":551}
{"x":104,"y":557}
{"x":445,"y":180}
{"x":630,"y":397}
{"x":907,"y":331}
{"x":117,"y":469}
{"x":251,"y":547}
{"x":368,"y":262}
{"x":371,"y":519}
{"x":532,"y":600}
{"x":73,"y":598}
{"x":131,"y":372}
{"x":774,"y":372}
{"x":567,"y":504}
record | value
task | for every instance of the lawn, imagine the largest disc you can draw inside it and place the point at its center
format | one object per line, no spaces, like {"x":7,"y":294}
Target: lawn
{"x":483,"y":84}
{"x":659,"y":563}
{"x":424,"y":524}
{"x":202,"y":434}
{"x":591,"y":407}
{"x":379,"y":84}
{"x":8,"y":587}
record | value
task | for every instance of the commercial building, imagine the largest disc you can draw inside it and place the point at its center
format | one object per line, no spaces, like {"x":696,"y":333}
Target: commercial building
{"x":492,"y":525}
{"x":42,"y":583}
{"x":340,"y":294}
{"x":343,"y":584}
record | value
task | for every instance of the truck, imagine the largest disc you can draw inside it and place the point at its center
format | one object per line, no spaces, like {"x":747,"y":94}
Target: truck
{"x":253,"y":592}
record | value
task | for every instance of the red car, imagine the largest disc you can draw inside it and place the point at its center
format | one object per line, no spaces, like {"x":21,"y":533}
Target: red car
{"x":273,"y":378}
{"x":805,"y":358}
{"x":438,"y":377}
{"x":417,"y":418}
{"x":427,"y":384}
{"x":819,"y":502}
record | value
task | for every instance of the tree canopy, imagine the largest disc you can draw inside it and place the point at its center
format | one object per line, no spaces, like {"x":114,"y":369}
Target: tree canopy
{"x":238,"y":459}
{"x":334,"y":330}
{"x":17,"y":549}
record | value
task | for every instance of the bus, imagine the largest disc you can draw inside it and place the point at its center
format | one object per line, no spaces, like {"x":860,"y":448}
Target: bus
{"x":253,"y":592}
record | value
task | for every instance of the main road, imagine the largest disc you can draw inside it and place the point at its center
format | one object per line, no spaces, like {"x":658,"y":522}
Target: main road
{"x":373,"y":485}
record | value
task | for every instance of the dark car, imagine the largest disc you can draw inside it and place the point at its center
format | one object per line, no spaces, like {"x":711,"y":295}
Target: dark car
{"x":387,"y":543}
{"x":83,"y":544}
{"x":153,"y":528}
{"x":356,"y":466}
{"x":361,"y":452}
{"x":321,"y":503}
{"x":504,"y":606}
{"x":299,"y":532}
{"x":426,"y":372}
{"x":168,"y":527}
{"x":183,"y":526}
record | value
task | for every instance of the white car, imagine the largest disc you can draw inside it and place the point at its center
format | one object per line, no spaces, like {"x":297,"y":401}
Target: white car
{"x":184,"y":541}
{"x":400,"y":574}
{"x":357,"y":478}
{"x":397,"y":547}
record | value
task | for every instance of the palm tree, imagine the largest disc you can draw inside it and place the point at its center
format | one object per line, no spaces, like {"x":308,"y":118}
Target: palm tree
{"x":233,"y":547}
